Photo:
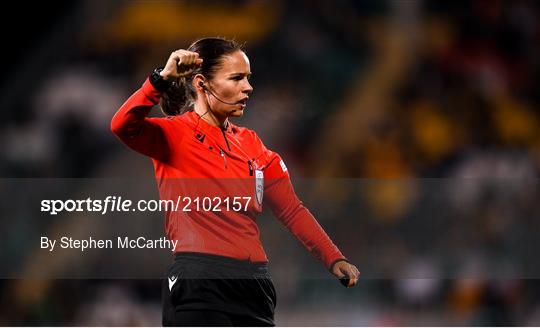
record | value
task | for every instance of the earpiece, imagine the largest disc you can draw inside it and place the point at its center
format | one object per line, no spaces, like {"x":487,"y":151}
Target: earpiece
{"x":201,"y":84}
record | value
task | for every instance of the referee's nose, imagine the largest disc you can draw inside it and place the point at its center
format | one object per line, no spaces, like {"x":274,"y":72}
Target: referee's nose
{"x":247,"y":89}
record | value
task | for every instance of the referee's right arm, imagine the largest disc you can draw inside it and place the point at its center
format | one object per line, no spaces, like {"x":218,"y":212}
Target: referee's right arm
{"x":139,"y":132}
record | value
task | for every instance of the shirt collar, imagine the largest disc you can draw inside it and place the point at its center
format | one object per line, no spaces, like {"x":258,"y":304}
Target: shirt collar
{"x":203,"y":125}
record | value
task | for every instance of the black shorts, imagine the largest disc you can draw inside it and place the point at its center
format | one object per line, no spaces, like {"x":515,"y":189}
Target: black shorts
{"x":241,"y":290}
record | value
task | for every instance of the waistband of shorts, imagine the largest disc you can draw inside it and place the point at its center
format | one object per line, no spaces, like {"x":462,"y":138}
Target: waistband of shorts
{"x":222,"y":261}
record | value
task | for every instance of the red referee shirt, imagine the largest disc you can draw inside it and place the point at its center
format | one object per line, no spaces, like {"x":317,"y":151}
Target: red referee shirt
{"x":194,"y":159}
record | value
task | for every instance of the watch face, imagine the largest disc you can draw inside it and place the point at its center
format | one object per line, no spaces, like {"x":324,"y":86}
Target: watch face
{"x":157,"y":80}
{"x":155,"y":74}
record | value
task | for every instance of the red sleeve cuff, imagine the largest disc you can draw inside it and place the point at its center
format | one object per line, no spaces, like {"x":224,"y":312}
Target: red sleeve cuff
{"x":151,"y":92}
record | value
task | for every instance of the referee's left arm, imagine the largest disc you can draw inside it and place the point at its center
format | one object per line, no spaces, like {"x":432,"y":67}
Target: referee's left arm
{"x":284,"y":203}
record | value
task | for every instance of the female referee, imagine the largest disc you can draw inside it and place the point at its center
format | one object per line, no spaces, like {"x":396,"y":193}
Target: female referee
{"x":219,"y":276}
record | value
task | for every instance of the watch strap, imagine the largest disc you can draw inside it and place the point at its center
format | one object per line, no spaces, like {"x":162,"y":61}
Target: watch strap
{"x":158,"y":81}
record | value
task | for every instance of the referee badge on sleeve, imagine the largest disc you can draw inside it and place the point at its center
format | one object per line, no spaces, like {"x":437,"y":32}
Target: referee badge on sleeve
{"x":283,"y":166}
{"x":259,"y":185}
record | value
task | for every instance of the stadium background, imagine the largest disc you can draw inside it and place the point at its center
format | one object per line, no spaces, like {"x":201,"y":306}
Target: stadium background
{"x":379,"y":91}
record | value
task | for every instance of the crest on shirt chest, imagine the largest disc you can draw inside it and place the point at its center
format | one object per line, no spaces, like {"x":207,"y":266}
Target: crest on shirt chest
{"x":259,"y":186}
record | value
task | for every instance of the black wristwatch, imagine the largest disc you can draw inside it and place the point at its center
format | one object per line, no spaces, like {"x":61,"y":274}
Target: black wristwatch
{"x":158,"y":82}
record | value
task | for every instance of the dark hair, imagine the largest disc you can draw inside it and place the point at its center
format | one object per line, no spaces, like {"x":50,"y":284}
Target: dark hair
{"x":181,"y":95}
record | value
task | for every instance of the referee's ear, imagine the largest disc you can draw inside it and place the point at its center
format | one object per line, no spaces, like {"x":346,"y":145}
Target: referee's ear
{"x":199,"y":82}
